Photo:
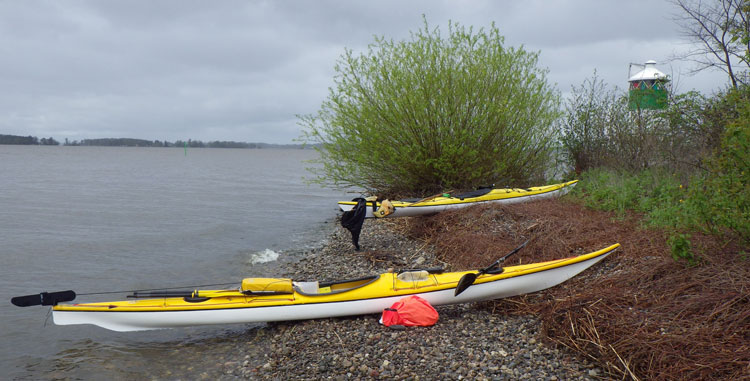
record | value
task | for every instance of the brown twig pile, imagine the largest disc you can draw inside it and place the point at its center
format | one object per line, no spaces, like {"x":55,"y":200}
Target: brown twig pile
{"x":639,"y":314}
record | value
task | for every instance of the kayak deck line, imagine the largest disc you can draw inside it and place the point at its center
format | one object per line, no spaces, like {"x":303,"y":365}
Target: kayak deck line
{"x":386,"y":285}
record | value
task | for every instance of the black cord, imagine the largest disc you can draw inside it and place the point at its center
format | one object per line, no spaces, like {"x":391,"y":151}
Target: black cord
{"x":158,"y":289}
{"x":46,"y":319}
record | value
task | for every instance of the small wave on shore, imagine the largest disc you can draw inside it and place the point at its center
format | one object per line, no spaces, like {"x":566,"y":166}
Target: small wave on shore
{"x":263,"y":256}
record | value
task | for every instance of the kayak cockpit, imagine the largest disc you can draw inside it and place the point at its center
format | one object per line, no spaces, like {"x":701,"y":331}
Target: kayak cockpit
{"x":333,"y":287}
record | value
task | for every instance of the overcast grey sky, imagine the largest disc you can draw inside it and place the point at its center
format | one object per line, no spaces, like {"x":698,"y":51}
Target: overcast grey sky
{"x":242,"y":70}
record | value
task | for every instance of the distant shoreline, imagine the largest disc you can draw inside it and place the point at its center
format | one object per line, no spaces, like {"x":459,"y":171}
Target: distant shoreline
{"x":129,"y":142}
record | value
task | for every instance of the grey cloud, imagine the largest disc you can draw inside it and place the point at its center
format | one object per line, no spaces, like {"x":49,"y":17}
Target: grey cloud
{"x":241,"y":70}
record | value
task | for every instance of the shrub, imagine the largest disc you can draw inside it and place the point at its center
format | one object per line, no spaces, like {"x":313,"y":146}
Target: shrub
{"x":688,"y":138}
{"x":680,"y":246}
{"x":583,"y":127}
{"x":599,"y":130}
{"x":433,"y":113}
{"x":714,"y":201}
{"x":651,"y":192}
{"x":721,"y":197}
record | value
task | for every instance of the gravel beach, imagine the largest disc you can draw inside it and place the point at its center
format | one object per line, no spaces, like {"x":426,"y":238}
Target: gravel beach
{"x":468,"y":342}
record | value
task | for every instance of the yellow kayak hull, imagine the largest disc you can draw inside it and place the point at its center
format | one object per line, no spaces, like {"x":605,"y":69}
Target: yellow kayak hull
{"x":441,"y":203}
{"x":349,"y":297}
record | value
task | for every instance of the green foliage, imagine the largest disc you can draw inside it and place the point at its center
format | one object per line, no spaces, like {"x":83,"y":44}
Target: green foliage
{"x":599,"y":130}
{"x":634,"y":137}
{"x":433,"y":113}
{"x":583,"y":127}
{"x":651,"y":192}
{"x":716,"y":201}
{"x":680,"y":245}
{"x":722,"y":196}
{"x":688,"y":137}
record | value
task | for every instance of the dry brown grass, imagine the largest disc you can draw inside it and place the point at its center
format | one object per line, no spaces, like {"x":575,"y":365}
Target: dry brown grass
{"x":639,"y":314}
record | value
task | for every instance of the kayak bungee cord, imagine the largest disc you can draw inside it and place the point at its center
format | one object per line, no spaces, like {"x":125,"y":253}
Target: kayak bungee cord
{"x":159,"y":289}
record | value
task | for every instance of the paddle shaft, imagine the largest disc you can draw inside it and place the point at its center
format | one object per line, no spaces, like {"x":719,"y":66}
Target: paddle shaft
{"x":503,"y":258}
{"x":468,"y":279}
{"x":429,"y":198}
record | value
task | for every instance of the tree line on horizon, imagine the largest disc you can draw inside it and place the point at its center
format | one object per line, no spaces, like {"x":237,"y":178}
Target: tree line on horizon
{"x":129,"y":142}
{"x":27,"y":140}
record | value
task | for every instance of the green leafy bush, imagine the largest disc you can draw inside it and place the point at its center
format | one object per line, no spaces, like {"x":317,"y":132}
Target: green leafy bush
{"x":650,"y":191}
{"x":584,"y":124}
{"x":433,"y":113}
{"x":721,"y":197}
{"x":599,"y":130}
{"x":714,"y":201}
{"x":680,"y":246}
{"x":688,"y":136}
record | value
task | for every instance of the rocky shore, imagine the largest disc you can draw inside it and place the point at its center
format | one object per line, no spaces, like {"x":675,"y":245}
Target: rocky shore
{"x":468,"y":342}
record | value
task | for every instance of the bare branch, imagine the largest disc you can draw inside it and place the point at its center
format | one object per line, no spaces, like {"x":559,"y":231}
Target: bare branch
{"x":719,"y":32}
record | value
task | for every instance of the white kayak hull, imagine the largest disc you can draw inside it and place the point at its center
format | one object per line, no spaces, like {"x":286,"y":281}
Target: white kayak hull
{"x":502,"y":288}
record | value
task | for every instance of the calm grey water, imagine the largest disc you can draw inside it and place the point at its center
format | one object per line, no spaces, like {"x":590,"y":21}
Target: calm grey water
{"x":97,"y":219}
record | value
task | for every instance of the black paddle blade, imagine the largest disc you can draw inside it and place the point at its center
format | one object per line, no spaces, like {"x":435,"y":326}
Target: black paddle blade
{"x":464,"y":283}
{"x":43,"y":299}
{"x":468,"y":279}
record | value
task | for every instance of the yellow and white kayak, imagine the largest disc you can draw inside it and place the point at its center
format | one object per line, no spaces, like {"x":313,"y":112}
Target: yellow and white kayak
{"x":406,"y":208}
{"x":274,"y":299}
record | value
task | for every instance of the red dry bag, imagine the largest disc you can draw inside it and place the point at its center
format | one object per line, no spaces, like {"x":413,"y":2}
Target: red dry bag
{"x":410,"y":311}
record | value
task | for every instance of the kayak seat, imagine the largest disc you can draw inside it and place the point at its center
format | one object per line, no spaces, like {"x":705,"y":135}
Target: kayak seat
{"x":334,"y":287}
{"x":410,"y":199}
{"x":306,"y":288}
{"x":495,"y":271}
{"x":474,"y":193}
